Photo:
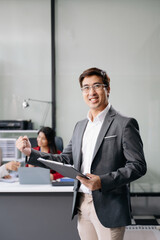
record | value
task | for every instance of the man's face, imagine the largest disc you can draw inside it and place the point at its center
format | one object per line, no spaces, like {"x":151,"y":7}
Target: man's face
{"x":96,"y":99}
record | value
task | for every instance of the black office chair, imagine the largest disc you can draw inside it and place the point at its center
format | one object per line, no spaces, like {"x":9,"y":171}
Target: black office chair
{"x":58,"y":142}
{"x":33,"y":142}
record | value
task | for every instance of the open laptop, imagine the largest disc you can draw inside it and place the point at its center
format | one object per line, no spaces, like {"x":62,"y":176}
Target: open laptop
{"x":34,"y":175}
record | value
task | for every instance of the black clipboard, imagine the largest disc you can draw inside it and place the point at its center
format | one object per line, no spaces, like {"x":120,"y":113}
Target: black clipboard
{"x":65,"y":169}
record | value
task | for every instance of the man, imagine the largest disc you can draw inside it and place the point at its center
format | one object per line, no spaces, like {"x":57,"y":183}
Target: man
{"x":107,"y":148}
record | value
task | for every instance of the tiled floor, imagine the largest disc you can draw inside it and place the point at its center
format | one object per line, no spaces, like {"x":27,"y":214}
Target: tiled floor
{"x":142,"y":233}
{"x":143,"y":228}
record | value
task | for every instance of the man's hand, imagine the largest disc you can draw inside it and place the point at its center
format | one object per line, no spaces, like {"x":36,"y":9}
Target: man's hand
{"x":12,"y":166}
{"x":23,"y":144}
{"x":93,"y":183}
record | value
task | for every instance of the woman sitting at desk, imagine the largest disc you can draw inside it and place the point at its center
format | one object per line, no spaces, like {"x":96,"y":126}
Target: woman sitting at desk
{"x":46,"y":143}
{"x":10,"y":166}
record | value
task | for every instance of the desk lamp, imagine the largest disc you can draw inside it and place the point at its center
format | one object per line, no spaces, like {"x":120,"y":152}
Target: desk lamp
{"x":26,"y":104}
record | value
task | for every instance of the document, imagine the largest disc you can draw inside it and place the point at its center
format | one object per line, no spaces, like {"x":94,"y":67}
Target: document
{"x":65,"y":169}
{"x":14,"y":178}
{"x":9,"y":180}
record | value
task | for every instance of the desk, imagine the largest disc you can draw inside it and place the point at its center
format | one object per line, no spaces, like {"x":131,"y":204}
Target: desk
{"x":36,"y":212}
{"x":41,"y":212}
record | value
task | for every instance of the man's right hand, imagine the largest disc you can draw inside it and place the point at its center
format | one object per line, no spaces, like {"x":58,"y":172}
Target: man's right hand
{"x":23,"y":144}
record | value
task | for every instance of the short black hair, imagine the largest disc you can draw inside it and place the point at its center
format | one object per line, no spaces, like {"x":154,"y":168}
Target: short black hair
{"x":95,"y":71}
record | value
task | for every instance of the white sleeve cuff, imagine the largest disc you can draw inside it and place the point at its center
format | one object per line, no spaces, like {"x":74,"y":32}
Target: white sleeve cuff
{"x":3,"y":171}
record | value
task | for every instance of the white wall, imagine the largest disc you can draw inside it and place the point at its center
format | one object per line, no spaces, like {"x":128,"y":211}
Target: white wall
{"x":25,"y":59}
{"x":123,"y":38}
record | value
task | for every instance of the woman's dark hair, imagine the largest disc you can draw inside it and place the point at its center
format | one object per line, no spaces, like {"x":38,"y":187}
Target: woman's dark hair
{"x":98,"y":72}
{"x":50,"y":135}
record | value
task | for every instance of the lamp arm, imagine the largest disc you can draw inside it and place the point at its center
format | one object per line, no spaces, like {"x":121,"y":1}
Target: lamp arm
{"x":36,"y":100}
{"x":45,"y":116}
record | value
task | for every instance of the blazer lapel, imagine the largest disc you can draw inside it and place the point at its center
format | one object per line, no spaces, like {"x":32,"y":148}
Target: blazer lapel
{"x":82,"y":128}
{"x":105,"y":126}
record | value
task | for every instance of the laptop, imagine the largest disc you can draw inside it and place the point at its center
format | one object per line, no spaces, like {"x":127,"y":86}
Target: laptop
{"x":34,"y":175}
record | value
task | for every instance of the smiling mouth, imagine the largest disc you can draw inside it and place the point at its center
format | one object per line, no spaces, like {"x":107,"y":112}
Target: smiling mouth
{"x":93,"y":100}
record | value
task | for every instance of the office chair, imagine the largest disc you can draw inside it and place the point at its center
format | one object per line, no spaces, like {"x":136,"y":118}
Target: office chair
{"x":59,"y":143}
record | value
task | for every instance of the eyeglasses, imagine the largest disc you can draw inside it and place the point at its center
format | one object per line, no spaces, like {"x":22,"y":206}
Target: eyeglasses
{"x":96,"y":87}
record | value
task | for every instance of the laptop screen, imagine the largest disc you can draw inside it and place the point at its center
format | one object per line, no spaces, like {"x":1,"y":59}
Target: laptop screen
{"x":34,"y":175}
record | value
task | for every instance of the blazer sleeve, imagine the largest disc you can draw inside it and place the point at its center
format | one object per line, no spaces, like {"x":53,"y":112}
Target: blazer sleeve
{"x":56,"y":175}
{"x":64,"y":157}
{"x":135,"y":164}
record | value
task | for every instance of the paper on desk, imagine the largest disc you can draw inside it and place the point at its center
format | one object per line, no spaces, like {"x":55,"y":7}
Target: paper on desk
{"x":9,"y":180}
{"x":14,"y":178}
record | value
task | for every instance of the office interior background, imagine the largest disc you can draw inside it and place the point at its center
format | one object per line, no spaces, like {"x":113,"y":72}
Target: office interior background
{"x":121,"y":37}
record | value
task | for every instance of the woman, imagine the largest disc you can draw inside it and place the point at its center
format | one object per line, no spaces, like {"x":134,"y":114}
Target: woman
{"x":46,"y":143}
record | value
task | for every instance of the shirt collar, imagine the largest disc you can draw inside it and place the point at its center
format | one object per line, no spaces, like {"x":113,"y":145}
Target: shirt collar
{"x":100,"y":117}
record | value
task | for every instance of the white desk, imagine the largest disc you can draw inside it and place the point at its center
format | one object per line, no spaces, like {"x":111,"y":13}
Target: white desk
{"x":36,"y":212}
{"x":24,"y":188}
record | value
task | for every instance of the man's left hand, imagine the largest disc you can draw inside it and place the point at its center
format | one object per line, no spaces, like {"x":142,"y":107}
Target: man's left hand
{"x":93,"y":183}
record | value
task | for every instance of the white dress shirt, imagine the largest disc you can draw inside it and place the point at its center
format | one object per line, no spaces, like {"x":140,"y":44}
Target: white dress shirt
{"x":3,"y":171}
{"x":88,"y":143}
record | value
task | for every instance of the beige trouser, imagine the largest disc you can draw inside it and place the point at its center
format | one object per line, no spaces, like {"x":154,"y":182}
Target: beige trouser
{"x":89,"y":226}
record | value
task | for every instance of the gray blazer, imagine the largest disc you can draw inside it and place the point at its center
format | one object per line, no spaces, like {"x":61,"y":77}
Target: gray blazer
{"x":118,"y":159}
